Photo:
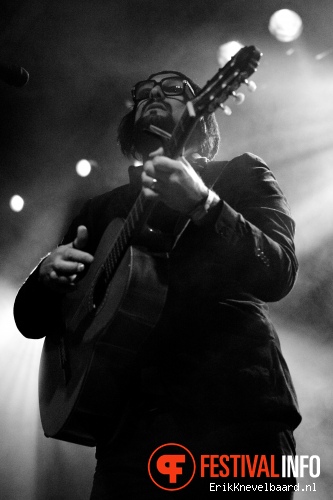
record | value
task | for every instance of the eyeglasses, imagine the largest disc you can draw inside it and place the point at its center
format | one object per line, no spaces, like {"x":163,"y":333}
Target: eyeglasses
{"x":171,"y":85}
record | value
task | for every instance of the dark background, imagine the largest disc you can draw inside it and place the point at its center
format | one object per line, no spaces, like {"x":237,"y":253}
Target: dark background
{"x":83,"y":58}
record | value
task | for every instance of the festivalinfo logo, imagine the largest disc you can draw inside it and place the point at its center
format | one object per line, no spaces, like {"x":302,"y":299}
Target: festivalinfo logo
{"x":172,"y":467}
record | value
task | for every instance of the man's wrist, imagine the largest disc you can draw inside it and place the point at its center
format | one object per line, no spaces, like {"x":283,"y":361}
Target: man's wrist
{"x":203,"y":207}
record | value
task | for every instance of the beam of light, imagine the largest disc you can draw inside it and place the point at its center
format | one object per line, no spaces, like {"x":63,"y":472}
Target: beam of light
{"x":19,"y":421}
{"x":285,"y":25}
{"x":313,"y":215}
{"x":226,"y":51}
{"x":16,"y":203}
{"x":310,"y":363}
{"x":29,"y":463}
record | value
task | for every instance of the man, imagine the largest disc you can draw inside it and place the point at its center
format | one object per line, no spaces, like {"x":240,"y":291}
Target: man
{"x":211,"y":376}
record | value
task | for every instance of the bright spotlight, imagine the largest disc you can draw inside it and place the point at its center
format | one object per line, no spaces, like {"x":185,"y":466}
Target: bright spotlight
{"x":16,"y":203}
{"x":83,"y":168}
{"x":286,"y":25}
{"x":226,"y":51}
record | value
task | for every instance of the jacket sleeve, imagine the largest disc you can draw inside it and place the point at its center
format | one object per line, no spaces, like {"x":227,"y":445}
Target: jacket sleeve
{"x":253,"y":230}
{"x":37,"y":309}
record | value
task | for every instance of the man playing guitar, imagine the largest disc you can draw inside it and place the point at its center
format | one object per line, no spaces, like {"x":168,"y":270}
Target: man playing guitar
{"x":210,"y":374}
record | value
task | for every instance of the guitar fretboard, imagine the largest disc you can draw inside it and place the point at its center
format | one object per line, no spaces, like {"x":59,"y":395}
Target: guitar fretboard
{"x":131,"y":226}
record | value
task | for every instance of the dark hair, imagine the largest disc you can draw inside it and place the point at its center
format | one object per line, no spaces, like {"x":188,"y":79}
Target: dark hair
{"x":208,"y":135}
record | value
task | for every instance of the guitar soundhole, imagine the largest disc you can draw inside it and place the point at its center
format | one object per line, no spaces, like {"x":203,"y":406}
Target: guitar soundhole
{"x":100,"y":288}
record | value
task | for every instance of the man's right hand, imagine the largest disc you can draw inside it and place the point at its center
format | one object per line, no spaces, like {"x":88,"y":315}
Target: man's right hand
{"x":60,"y":268}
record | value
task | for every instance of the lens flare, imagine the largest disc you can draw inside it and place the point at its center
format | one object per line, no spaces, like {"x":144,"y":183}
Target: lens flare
{"x":285,"y":25}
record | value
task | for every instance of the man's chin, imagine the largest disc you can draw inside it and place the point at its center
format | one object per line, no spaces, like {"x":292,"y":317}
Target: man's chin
{"x":144,"y":141}
{"x":157,"y":117}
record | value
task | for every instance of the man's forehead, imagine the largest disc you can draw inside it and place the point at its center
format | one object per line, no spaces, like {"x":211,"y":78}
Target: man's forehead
{"x":163,"y":74}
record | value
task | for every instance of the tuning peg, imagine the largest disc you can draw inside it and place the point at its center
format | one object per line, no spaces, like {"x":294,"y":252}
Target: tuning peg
{"x":250,"y":85}
{"x":226,"y":110}
{"x":239,"y":97}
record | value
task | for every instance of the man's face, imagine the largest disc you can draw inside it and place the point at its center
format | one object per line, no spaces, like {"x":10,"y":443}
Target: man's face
{"x":160,"y":107}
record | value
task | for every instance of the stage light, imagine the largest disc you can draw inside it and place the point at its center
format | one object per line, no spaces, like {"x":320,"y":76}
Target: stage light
{"x":226,"y":51}
{"x":285,"y":25}
{"x":83,"y":168}
{"x":324,"y":54}
{"x":16,"y":203}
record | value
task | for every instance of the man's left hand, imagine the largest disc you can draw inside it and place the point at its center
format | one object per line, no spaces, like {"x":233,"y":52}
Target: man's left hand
{"x":174,"y":182}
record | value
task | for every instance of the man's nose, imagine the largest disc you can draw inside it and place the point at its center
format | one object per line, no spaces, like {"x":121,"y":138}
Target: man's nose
{"x":157,"y":92}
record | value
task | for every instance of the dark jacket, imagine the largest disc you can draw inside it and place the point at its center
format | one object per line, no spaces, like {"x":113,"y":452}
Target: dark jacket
{"x":214,"y":353}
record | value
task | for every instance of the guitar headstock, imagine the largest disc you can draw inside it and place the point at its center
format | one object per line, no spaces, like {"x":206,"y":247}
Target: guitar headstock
{"x":216,"y":91}
{"x":227,"y":80}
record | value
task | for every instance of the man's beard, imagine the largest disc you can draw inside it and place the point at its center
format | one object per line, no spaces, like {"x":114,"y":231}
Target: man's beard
{"x":143,"y":140}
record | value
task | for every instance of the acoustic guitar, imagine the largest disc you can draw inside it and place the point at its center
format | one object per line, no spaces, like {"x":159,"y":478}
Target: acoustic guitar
{"x":116,"y":305}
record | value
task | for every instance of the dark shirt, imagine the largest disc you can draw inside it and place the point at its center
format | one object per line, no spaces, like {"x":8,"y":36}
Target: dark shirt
{"x":214,"y":354}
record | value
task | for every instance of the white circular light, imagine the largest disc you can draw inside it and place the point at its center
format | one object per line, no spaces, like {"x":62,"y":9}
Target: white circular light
{"x":226,"y":51}
{"x":83,"y":168}
{"x":16,"y":203}
{"x":286,"y":25}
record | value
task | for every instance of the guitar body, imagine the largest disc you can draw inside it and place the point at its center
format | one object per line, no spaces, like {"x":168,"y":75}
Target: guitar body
{"x":83,"y":376}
